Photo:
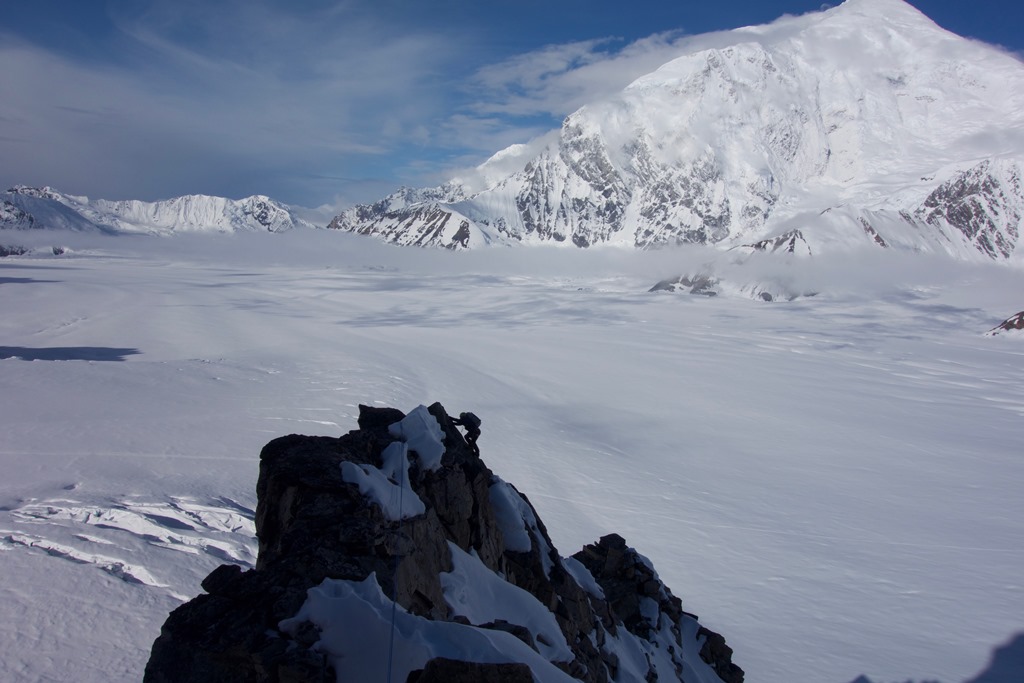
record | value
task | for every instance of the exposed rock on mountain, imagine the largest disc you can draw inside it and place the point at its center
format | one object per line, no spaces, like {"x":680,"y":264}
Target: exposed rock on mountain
{"x":1015,"y":323}
{"x":917,"y":134}
{"x":701,"y":284}
{"x":12,"y":250}
{"x":399,"y":530}
{"x":791,"y":242}
{"x":37,"y":208}
{"x":13,"y":217}
{"x":984,"y":202}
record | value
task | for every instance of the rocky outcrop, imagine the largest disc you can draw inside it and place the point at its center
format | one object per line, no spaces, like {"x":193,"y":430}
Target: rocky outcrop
{"x":12,"y":250}
{"x":395,"y":546}
{"x":790,"y":242}
{"x":1015,"y":323}
{"x":704,"y":285}
{"x":14,"y":217}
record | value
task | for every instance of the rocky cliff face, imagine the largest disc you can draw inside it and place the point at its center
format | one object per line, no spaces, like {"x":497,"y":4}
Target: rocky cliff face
{"x":394,"y":553}
{"x":984,"y":202}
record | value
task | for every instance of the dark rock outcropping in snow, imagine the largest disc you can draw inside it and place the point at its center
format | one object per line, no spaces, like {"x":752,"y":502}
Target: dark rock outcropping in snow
{"x":984,"y":203}
{"x":402,"y":511}
{"x":704,"y":285}
{"x":1015,"y":323}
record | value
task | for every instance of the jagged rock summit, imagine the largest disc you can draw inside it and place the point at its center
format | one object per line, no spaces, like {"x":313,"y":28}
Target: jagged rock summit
{"x":27,"y":208}
{"x":861,"y":126}
{"x":394,"y":553}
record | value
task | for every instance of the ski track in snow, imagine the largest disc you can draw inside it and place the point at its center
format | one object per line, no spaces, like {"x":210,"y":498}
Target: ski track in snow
{"x":832,"y":483}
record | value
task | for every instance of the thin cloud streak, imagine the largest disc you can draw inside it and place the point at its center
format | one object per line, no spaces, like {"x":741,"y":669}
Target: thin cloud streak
{"x":559,"y":79}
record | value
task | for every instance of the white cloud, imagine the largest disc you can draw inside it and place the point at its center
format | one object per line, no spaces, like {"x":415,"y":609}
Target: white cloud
{"x":558,"y":79}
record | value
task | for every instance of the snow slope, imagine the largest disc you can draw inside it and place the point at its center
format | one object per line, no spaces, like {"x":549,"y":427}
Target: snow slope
{"x":30,"y":207}
{"x":832,"y":483}
{"x":869,"y":107}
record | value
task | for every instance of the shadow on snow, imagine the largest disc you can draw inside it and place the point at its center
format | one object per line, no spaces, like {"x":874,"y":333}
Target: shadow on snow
{"x":100,"y":353}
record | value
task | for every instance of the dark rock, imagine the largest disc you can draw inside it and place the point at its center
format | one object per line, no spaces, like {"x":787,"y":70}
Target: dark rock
{"x":378,"y":418}
{"x":627,"y":579}
{"x":441,"y":670}
{"x":221,"y":579}
{"x":520,"y":632}
{"x":12,"y":250}
{"x":719,"y":656}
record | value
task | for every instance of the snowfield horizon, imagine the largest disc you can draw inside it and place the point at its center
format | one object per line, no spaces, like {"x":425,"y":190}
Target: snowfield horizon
{"x":825,"y":481}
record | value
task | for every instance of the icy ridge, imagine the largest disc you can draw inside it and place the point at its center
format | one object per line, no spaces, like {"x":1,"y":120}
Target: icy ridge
{"x":49,"y":208}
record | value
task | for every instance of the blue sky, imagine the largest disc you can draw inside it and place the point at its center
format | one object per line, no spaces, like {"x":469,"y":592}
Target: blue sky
{"x":318,"y":102}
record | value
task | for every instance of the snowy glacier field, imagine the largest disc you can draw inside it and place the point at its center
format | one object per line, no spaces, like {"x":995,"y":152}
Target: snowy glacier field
{"x":834,"y":483}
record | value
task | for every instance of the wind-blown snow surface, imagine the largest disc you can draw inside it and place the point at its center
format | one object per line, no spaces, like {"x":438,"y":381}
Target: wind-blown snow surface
{"x":832,"y":483}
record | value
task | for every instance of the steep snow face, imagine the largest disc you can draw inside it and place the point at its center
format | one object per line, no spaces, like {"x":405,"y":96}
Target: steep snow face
{"x":48,"y":208}
{"x":44,"y":207}
{"x":13,"y":217}
{"x":863,"y":106}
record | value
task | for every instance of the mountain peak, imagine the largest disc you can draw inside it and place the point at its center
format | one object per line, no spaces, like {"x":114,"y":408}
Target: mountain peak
{"x":868,"y":108}
{"x":891,"y":13}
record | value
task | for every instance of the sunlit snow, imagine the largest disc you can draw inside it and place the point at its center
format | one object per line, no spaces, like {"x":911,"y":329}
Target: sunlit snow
{"x":387,"y":486}
{"x":473,"y":591}
{"x":420,"y":431}
{"x":355,"y":618}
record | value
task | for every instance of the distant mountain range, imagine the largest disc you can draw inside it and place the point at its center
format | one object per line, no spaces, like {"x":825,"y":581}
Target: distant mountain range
{"x":866,"y":124}
{"x":27,"y":208}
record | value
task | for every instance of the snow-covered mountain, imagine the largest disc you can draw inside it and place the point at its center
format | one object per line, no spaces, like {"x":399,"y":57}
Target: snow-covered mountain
{"x":25,"y":208}
{"x":865,"y":124}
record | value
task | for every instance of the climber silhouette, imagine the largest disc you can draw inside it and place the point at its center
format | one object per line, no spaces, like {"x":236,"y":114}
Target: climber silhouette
{"x":472,"y":424}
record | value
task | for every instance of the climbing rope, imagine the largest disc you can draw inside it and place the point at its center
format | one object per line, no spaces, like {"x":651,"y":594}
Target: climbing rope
{"x":403,"y":466}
